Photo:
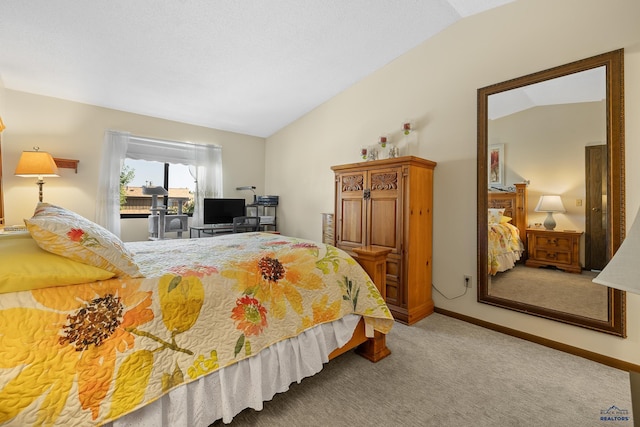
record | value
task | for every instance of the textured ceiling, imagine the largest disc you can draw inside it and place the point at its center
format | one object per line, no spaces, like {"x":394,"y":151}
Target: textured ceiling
{"x":250,"y":66}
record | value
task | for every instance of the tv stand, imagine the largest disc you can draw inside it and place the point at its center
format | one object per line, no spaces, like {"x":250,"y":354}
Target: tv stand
{"x":267,"y":214}
{"x":210,"y":230}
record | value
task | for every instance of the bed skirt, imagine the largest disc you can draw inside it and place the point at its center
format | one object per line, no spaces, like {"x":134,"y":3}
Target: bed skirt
{"x":226,"y":392}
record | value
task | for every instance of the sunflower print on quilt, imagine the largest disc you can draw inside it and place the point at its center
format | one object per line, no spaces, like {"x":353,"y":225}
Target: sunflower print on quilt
{"x":87,"y":354}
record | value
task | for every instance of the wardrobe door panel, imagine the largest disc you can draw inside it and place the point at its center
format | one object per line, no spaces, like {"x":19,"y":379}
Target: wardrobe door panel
{"x":384,"y":221}
{"x":351,"y":226}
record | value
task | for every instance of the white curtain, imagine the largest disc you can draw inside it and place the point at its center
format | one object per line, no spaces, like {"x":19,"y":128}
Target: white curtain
{"x":208,"y":175}
{"x":204,"y":161}
{"x":114,"y":150}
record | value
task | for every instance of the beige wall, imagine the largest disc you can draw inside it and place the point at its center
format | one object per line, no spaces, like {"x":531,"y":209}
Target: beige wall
{"x":75,"y":131}
{"x":436,"y":84}
{"x":551,"y":157}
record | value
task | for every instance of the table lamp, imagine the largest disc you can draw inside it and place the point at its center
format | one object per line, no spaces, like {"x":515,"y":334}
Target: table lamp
{"x":623,"y":272}
{"x":550,"y":204}
{"x":251,"y":188}
{"x":36,"y":164}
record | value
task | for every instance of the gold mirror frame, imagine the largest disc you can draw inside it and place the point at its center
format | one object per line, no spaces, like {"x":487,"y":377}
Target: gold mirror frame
{"x":614,"y":63}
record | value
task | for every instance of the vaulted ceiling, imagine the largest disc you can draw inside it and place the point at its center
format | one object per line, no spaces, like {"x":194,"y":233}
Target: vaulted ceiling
{"x":250,"y":66}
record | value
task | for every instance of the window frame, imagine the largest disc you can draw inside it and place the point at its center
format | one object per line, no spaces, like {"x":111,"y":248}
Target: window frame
{"x":165,"y":199}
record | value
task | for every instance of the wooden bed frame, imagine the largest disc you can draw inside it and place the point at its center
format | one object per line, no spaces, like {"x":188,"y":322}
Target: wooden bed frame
{"x":374,"y":261}
{"x":515,"y":206}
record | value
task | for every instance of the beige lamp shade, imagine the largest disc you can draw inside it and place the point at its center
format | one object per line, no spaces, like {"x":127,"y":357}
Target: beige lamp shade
{"x":549,"y":203}
{"x":623,"y":272}
{"x":36,"y":163}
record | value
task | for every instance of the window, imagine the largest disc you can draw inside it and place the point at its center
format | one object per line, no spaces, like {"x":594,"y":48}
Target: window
{"x":178,"y":179}
{"x":205,"y":161}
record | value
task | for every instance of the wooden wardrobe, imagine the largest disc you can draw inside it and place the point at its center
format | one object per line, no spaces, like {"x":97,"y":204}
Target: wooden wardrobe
{"x":388,"y":203}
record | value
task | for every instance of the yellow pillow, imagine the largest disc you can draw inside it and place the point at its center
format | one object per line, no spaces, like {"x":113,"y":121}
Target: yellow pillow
{"x":24,"y":266}
{"x":66,"y":233}
{"x":6,"y":235}
{"x":504,"y":219}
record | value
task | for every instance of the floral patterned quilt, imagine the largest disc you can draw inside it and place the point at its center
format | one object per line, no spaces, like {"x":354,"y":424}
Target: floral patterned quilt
{"x":87,"y":354}
{"x":505,"y":247}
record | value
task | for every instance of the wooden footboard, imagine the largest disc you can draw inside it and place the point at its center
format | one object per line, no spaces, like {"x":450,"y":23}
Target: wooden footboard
{"x":373,"y":260}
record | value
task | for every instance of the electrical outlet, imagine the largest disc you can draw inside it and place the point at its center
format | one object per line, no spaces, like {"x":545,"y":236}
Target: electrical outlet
{"x":468,"y":281}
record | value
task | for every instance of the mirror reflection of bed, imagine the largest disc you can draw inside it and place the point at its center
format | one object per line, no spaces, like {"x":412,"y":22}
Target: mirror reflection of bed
{"x":548,"y":286}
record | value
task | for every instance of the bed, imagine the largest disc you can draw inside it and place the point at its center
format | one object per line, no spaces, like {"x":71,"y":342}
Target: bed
{"x":507,"y":223}
{"x":174,"y":332}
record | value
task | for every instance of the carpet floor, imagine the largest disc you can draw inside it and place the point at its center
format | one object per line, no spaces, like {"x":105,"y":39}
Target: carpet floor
{"x":445,"y":372}
{"x":554,"y":289}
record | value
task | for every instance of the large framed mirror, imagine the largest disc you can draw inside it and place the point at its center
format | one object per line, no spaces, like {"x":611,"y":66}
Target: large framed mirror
{"x":558,"y":133}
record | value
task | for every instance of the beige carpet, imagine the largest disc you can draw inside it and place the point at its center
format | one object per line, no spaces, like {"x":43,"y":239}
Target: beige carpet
{"x":554,"y":289}
{"x":445,"y":372}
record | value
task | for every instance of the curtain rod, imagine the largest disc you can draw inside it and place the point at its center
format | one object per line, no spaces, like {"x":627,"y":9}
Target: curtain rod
{"x":167,"y":141}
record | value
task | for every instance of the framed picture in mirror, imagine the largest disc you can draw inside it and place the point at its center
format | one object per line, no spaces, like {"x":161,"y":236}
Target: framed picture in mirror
{"x":496,"y":164}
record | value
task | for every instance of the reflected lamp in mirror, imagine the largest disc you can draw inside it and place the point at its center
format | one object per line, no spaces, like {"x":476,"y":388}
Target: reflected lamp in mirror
{"x":38,"y":164}
{"x":550,"y":204}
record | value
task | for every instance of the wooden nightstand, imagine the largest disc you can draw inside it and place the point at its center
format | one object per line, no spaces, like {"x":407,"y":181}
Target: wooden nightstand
{"x":558,"y":248}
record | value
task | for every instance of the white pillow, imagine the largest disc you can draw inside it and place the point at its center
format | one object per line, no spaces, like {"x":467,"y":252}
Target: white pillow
{"x":495,"y":215}
{"x":66,"y":233}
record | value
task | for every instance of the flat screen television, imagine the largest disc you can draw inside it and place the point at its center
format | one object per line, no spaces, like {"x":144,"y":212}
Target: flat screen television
{"x":222,"y":211}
